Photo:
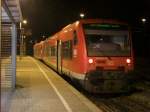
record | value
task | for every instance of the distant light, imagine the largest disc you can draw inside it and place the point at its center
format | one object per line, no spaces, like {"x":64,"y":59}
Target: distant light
{"x":24,"y":21}
{"x":82,"y":15}
{"x":143,"y":20}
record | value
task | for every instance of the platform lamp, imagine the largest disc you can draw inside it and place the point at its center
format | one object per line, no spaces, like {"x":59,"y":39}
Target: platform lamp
{"x":82,"y":15}
{"x":24,"y":22}
{"x":143,"y":20}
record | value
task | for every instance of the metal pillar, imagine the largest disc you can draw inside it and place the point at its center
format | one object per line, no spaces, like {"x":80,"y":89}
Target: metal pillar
{"x":22,"y":48}
{"x":20,"y":40}
{"x":13,"y":54}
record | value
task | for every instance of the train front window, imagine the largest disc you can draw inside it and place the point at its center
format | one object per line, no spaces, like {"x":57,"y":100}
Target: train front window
{"x":107,"y":42}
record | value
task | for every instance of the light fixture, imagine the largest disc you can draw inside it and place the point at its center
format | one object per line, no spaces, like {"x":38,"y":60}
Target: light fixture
{"x":143,"y":20}
{"x":24,"y":21}
{"x":82,"y":15}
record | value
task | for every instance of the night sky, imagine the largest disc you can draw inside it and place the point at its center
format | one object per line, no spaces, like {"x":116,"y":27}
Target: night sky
{"x":46,"y":17}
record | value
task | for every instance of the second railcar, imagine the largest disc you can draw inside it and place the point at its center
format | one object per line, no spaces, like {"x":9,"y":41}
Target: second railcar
{"x":38,"y":50}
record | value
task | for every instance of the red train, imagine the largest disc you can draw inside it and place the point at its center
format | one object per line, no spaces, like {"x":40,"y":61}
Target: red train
{"x":95,"y":52}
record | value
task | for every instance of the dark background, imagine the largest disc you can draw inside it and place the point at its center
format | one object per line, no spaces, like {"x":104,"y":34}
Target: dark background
{"x":46,"y":17}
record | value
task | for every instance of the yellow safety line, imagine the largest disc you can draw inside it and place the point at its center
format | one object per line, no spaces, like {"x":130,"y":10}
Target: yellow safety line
{"x":53,"y":86}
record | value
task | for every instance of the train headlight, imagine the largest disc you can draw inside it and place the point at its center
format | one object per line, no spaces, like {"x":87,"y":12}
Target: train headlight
{"x":90,"y":61}
{"x":128,"y":61}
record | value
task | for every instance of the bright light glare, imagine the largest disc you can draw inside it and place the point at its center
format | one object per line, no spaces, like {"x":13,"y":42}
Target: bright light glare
{"x":90,"y":61}
{"x":77,"y":23}
{"x":24,"y":21}
{"x":82,"y":15}
{"x":143,"y":20}
{"x":128,"y":61}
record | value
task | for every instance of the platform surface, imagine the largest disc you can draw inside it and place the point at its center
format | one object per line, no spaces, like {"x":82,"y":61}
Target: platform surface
{"x":40,"y":89}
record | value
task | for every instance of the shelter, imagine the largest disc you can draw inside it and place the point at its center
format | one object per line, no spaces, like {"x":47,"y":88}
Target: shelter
{"x":11,"y":16}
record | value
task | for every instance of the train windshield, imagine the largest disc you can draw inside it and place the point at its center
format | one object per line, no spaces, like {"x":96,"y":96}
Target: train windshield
{"x":107,"y":40}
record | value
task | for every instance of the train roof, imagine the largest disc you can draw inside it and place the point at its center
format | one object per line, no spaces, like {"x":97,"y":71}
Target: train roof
{"x":111,"y":21}
{"x":40,"y":43}
{"x":86,"y":21}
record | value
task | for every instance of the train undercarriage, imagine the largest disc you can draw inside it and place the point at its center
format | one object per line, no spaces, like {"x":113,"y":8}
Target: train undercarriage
{"x":106,"y":82}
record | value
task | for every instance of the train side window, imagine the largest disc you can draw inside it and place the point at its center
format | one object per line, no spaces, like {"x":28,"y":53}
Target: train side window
{"x":46,"y":50}
{"x":53,"y":51}
{"x":67,"y":49}
{"x":49,"y":50}
{"x":75,"y":39}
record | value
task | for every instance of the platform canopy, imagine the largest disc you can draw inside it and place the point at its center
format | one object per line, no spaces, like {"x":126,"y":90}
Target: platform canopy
{"x":11,"y":11}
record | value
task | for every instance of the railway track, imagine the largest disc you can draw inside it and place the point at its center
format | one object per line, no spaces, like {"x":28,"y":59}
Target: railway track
{"x":138,"y":101}
{"x":121,"y":104}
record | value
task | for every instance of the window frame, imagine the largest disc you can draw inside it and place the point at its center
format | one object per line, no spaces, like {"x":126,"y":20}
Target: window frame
{"x":67,"y":52}
{"x":75,"y":38}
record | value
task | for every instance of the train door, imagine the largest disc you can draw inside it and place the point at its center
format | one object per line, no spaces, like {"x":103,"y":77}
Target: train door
{"x":59,"y":57}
